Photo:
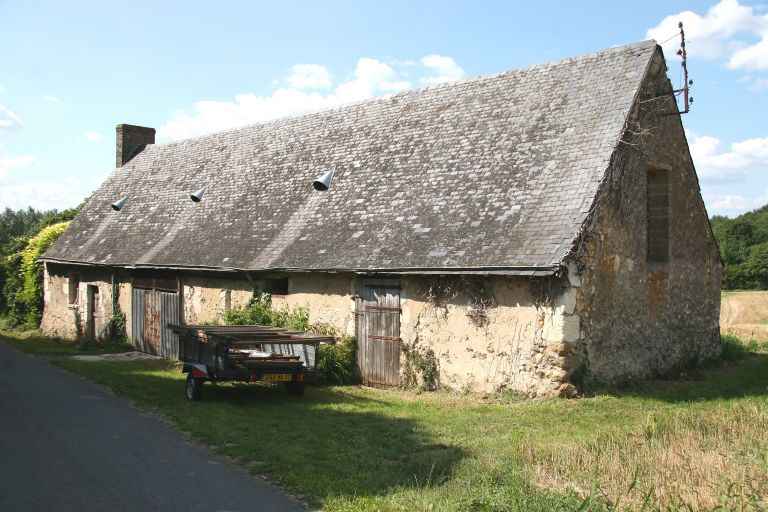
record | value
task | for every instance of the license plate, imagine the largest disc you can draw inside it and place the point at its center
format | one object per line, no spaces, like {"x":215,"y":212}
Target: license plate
{"x":278,"y":377}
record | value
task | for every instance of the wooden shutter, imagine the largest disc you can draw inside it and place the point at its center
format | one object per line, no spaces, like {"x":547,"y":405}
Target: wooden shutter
{"x":658,"y":215}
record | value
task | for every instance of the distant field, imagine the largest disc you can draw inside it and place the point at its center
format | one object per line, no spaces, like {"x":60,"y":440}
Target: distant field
{"x":745,"y":314}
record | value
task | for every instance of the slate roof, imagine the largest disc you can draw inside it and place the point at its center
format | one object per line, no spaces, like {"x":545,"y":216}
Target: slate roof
{"x":489,"y":174}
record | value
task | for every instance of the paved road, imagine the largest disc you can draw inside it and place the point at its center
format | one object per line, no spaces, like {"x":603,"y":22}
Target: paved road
{"x":65,"y":444}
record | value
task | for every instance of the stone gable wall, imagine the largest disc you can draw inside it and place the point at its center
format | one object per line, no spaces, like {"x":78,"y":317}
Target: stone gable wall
{"x":641,"y":318}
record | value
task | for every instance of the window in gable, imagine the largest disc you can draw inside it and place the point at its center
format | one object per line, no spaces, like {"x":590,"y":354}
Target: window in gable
{"x":658,"y":202}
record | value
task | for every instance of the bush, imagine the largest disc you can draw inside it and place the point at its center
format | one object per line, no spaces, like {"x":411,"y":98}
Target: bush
{"x":259,"y":311}
{"x":23,"y":287}
{"x":115,"y":329}
{"x":338,"y":363}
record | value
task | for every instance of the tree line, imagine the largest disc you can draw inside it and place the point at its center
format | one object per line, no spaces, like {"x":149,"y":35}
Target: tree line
{"x":743,"y":244}
{"x":24,"y":236}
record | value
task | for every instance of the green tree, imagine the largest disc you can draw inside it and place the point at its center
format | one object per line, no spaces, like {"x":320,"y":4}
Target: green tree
{"x":738,"y":237}
{"x":23,"y":288}
{"x":16,"y":229}
{"x":756,"y":266}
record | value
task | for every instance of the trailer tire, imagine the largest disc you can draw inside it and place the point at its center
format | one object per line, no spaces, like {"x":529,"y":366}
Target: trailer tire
{"x":194,"y":388}
{"x":295,"y":388}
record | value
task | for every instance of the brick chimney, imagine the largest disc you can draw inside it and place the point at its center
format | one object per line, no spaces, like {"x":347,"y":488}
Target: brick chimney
{"x":131,"y":140}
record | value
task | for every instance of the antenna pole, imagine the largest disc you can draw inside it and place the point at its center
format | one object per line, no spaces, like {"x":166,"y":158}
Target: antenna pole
{"x":682,"y":52}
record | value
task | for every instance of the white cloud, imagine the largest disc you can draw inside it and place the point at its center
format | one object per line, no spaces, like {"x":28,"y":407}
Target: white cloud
{"x":371,"y":77}
{"x":709,"y":35}
{"x":739,"y":159}
{"x":754,"y":57}
{"x":309,"y":76}
{"x":726,"y":30}
{"x":94,"y":136}
{"x":9,"y":119}
{"x":446,"y":68}
{"x":732,"y":204}
{"x":729,"y":202}
{"x":52,"y":99}
{"x":8,"y":164}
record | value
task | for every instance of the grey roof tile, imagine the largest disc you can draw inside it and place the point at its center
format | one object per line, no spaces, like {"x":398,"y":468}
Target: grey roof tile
{"x":492,"y":172}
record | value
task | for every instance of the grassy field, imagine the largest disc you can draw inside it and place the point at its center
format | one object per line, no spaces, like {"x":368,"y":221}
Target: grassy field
{"x":695,"y":444}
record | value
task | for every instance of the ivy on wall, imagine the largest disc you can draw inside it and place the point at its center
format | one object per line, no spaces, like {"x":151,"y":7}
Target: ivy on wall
{"x":23,"y":288}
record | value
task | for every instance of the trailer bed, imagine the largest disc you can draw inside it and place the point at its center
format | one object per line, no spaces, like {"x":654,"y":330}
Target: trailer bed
{"x":247,"y":353}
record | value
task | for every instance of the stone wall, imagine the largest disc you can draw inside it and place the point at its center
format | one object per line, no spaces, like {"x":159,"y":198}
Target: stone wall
{"x":206,"y":298}
{"x":327,"y":297}
{"x":514,"y":343}
{"x":65,"y":320}
{"x":488,"y":334}
{"x":492,"y":333}
{"x":640,"y":318}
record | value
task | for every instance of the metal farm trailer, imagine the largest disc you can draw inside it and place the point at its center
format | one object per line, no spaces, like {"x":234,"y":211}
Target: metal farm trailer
{"x":246,"y":353}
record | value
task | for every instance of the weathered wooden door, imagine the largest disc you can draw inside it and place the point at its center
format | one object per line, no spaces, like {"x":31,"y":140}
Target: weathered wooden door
{"x":153,"y":310}
{"x":378,"y":334}
{"x":93,"y":311}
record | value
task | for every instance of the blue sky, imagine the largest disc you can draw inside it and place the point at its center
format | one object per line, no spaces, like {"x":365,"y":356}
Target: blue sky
{"x":71,"y":71}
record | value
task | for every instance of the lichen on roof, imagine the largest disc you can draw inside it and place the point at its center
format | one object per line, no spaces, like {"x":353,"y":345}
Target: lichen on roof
{"x":490,"y":173}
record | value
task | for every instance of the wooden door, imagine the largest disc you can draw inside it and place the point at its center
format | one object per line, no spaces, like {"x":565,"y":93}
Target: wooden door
{"x":153,"y":310}
{"x":93,"y":311}
{"x":378,"y":334}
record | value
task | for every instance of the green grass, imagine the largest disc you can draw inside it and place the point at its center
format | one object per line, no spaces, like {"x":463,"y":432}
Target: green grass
{"x":687,"y":442}
{"x":31,"y":342}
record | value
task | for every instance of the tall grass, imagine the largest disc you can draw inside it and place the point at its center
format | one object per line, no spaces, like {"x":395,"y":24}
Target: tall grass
{"x":675,"y":461}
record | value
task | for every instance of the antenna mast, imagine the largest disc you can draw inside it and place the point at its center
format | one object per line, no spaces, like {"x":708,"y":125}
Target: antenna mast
{"x":683,"y":53}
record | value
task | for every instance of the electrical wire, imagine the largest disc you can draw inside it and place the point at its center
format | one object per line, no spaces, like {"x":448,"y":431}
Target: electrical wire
{"x":676,"y":34}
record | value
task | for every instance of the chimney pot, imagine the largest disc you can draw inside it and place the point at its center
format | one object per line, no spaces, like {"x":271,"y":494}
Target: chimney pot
{"x":131,"y":140}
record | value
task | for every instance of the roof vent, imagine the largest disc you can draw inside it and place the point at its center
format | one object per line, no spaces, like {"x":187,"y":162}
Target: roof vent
{"x":323,"y":182}
{"x":197,"y":196}
{"x":118,"y":205}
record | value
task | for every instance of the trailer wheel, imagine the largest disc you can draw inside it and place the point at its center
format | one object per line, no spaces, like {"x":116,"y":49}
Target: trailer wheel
{"x":194,"y":388}
{"x":295,"y":388}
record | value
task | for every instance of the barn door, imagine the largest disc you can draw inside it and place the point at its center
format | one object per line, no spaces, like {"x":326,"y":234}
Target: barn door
{"x":378,"y":334}
{"x":153,"y":310}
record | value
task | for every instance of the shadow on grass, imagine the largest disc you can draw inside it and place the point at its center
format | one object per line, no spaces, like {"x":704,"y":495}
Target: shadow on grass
{"x":742,"y":375}
{"x":32,"y":342}
{"x":327,"y":444}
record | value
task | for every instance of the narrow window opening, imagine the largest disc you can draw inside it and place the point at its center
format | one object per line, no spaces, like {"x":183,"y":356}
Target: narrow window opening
{"x":658,"y":202}
{"x":276,"y":286}
{"x":73,"y":288}
{"x":227,"y":300}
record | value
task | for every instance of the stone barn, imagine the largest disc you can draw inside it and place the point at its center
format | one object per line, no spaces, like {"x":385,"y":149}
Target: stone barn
{"x":529,"y":231}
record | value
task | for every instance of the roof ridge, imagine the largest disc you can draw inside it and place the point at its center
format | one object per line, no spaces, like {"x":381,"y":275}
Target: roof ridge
{"x":408,"y":92}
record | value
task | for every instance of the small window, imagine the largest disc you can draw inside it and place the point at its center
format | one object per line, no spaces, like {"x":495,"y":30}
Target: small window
{"x":276,"y":286}
{"x":658,"y":215}
{"x":74,"y":286}
{"x":227,"y":300}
